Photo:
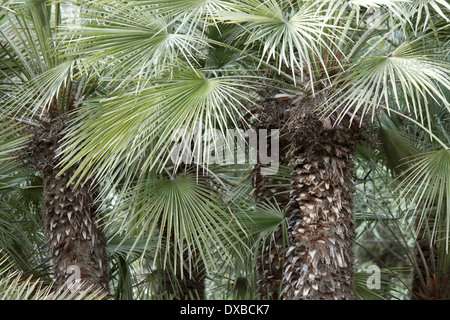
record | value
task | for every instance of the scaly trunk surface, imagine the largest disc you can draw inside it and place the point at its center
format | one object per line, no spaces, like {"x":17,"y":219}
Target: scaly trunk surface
{"x":75,"y":238}
{"x":271,"y":189}
{"x":319,"y":261}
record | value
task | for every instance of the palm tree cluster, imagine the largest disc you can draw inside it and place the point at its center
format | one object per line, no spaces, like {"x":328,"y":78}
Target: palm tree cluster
{"x":93,"y":94}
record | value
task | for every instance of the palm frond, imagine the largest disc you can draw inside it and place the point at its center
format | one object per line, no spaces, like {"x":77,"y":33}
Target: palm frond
{"x":129,"y":43}
{"x":12,"y":139}
{"x":427,"y":183}
{"x":406,"y":79}
{"x":129,"y":126}
{"x":295,"y":34}
{"x":174,"y":215}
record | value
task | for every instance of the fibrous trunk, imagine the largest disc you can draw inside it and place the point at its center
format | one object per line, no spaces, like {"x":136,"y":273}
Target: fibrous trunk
{"x":272,"y":189}
{"x":319,"y":260}
{"x":75,"y":237}
{"x":76,"y":240}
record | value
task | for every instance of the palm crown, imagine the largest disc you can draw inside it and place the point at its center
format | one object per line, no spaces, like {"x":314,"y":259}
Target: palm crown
{"x":125,"y":76}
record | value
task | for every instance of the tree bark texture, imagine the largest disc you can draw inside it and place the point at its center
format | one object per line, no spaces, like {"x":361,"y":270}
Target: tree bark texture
{"x":275,"y":190}
{"x":75,"y":237}
{"x":319,"y":260}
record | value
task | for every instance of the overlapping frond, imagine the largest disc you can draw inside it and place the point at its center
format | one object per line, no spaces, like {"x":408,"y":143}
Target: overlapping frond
{"x":175,"y":215}
{"x":296,"y":35}
{"x":427,"y":183}
{"x":128,"y":43}
{"x":406,"y":79}
{"x":12,"y":139}
{"x":35,"y":77}
{"x":170,"y":111}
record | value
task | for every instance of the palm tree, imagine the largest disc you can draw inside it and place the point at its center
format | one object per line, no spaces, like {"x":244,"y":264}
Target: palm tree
{"x":48,"y":97}
{"x":351,"y":80}
{"x":25,"y":266}
{"x":273,"y":189}
{"x":161,"y":69}
{"x":39,"y":90}
{"x":420,"y":169}
{"x":328,"y":56}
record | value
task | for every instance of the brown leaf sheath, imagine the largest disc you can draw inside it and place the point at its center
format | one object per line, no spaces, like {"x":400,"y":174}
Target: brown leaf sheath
{"x":71,"y":218}
{"x":319,"y":260}
{"x":269,"y":261}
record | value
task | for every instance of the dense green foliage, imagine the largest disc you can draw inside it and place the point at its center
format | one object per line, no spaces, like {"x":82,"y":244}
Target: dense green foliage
{"x":128,"y":74}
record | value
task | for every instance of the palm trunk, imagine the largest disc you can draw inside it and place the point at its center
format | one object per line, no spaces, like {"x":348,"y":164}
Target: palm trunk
{"x":319,"y":261}
{"x":270,"y":258}
{"x":75,"y":239}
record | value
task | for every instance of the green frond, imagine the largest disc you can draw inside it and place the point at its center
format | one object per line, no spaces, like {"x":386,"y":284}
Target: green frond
{"x":130,"y":43}
{"x":34,"y":98}
{"x":34,"y":74}
{"x":295,"y":35}
{"x":128,"y":126}
{"x":12,"y":139}
{"x":174,"y":215}
{"x":422,"y":13}
{"x":427,"y":184}
{"x":406,"y":79}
